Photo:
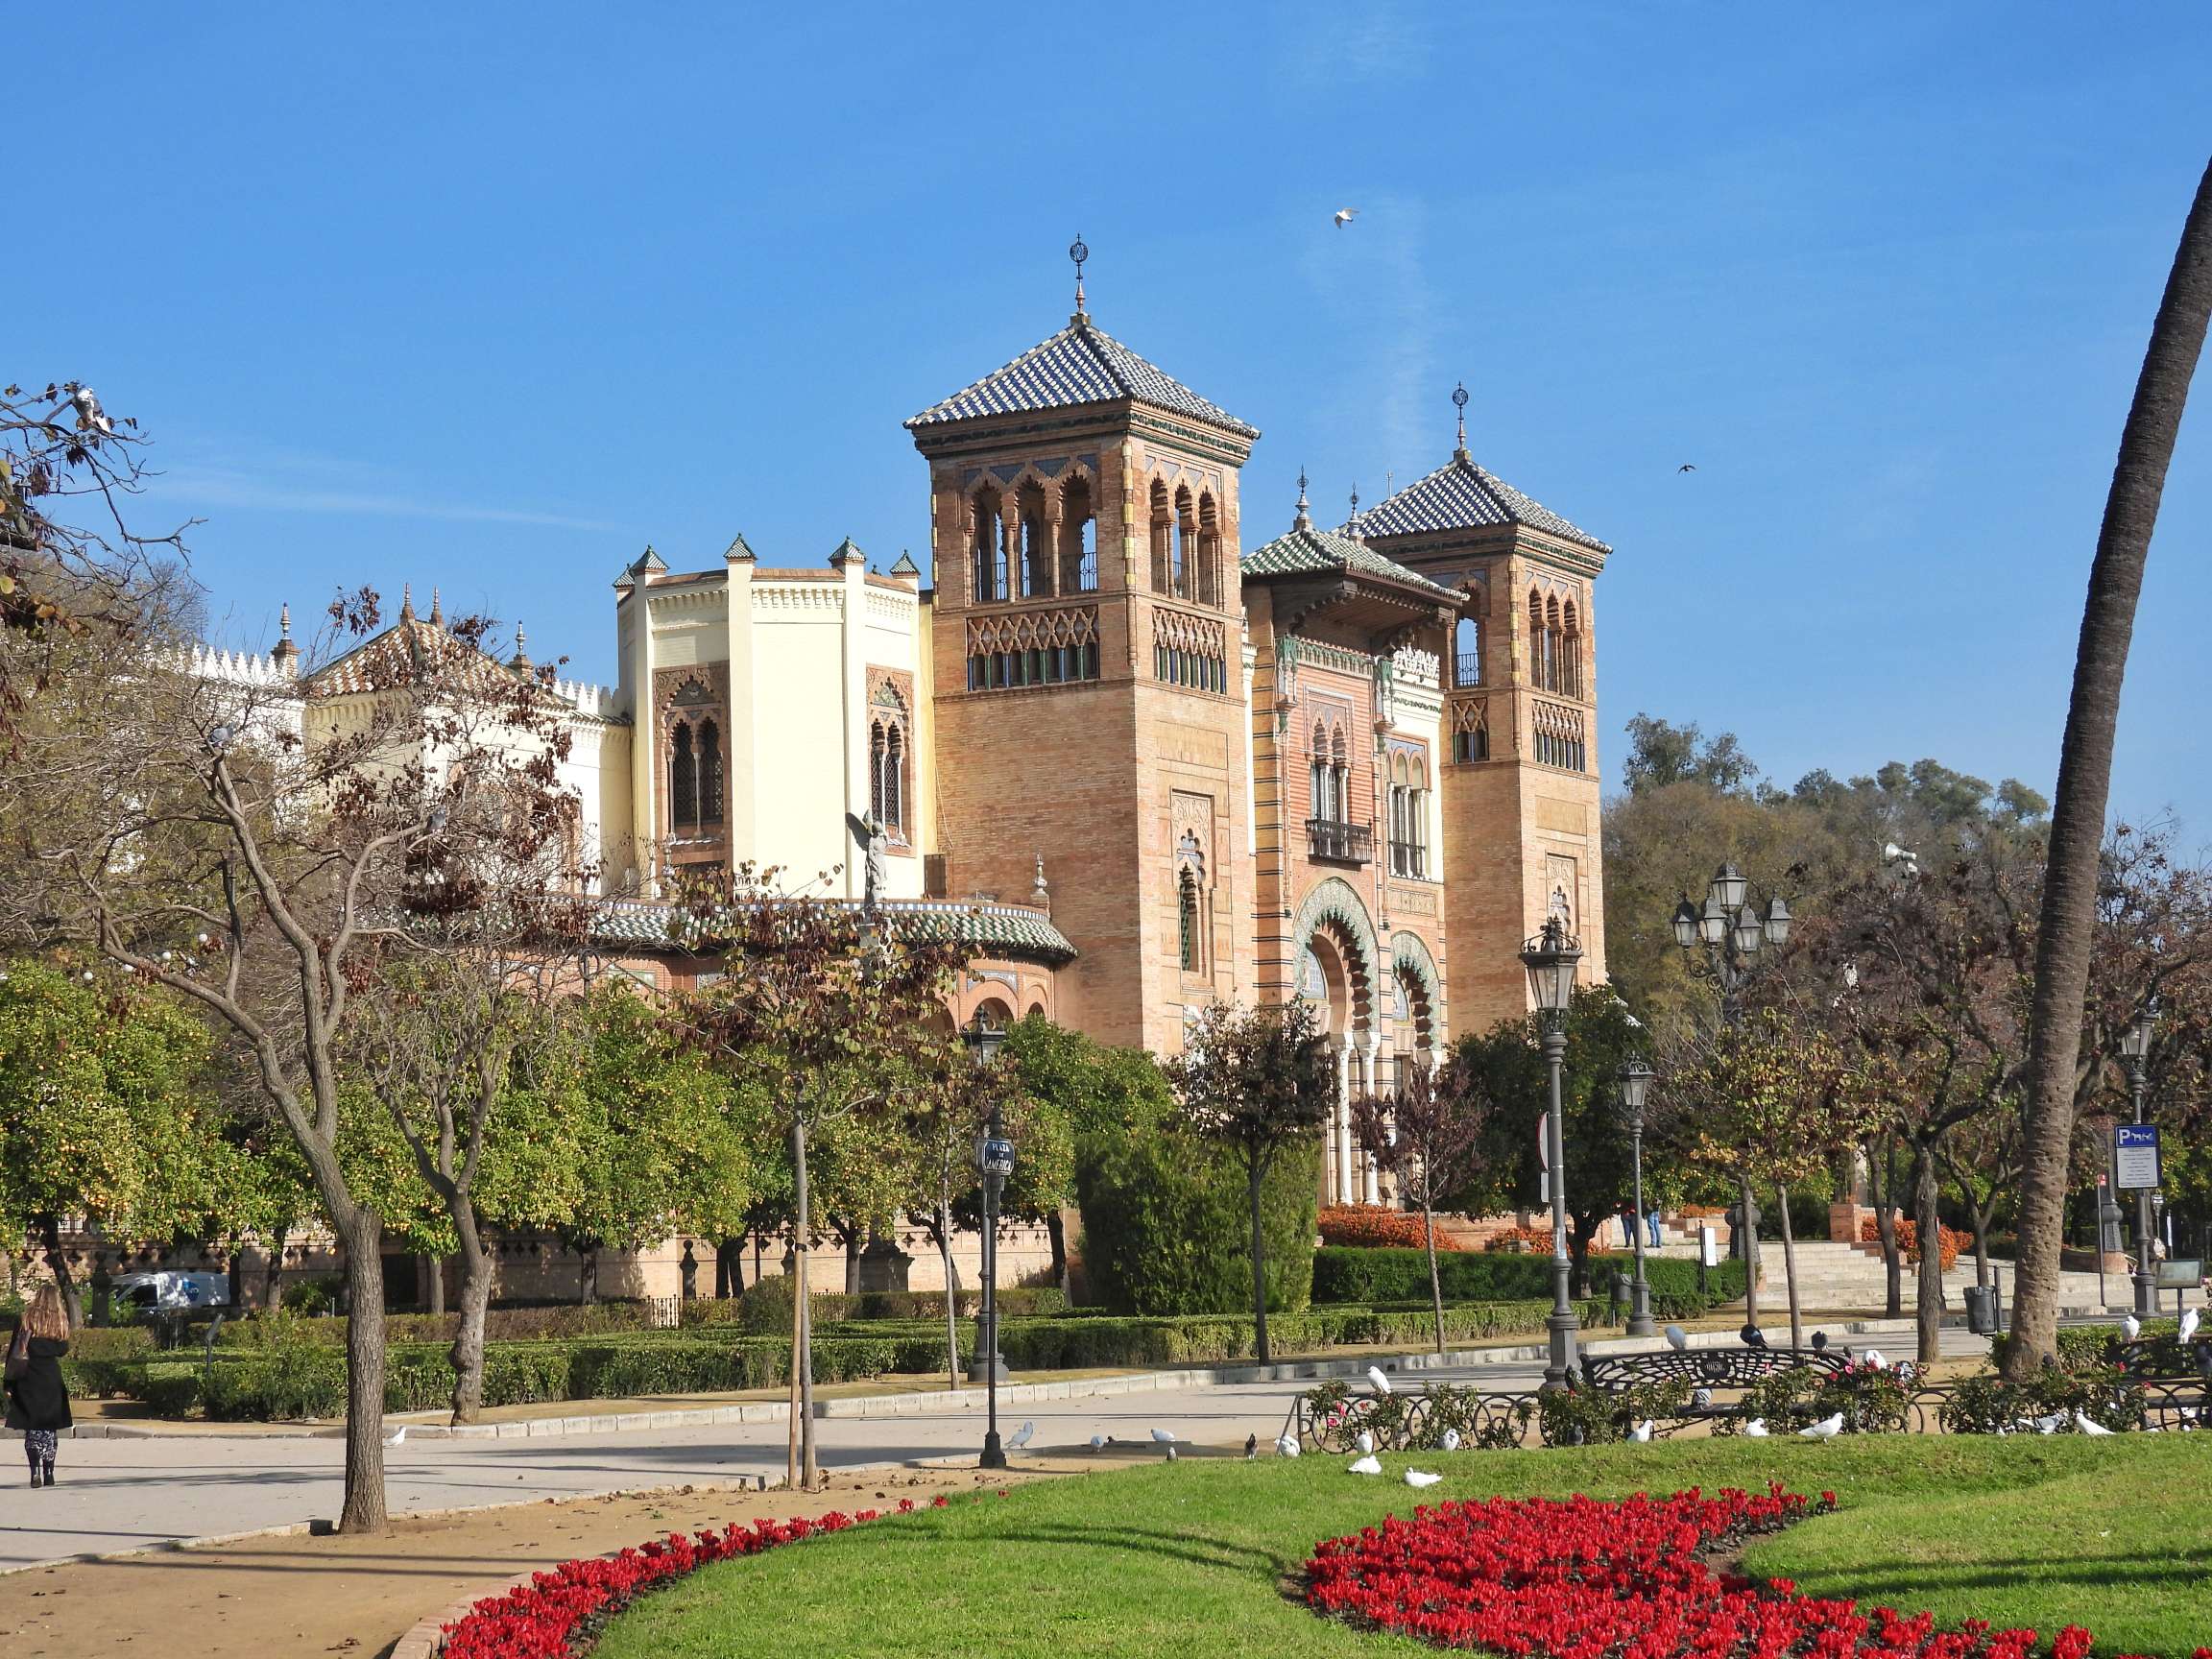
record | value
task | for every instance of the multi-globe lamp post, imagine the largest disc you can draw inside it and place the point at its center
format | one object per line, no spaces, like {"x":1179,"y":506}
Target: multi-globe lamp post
{"x":2135,"y":1052}
{"x":1551,"y":959}
{"x":993,"y":1162}
{"x":1634,"y":1081}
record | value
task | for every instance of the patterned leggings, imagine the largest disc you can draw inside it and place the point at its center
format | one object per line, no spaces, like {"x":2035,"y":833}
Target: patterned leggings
{"x":40,"y":1446}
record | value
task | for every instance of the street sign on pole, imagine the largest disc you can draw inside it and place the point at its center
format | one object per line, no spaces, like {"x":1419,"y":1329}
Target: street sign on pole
{"x":2135,"y":1156}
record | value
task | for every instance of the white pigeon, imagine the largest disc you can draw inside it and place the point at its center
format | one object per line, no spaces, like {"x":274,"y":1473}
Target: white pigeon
{"x":1421,"y":1477}
{"x":2052,"y":1424}
{"x":1346,"y":215}
{"x":1164,"y":1436}
{"x":1021,"y":1436}
{"x":1643,"y":1431}
{"x":1287,"y":1447}
{"x":1450,"y":1439}
{"x":1875,"y":1359}
{"x":1676,"y":1338}
{"x":1756,"y":1428}
{"x":1098,"y":1442}
{"x":2130,"y":1327}
{"x":1381,"y":1382}
{"x":1827,"y":1428}
{"x":1366,"y":1466}
{"x":2188,"y":1326}
{"x":90,"y":416}
{"x":397,"y":1435}
{"x":1365,"y":1442}
{"x":2089,"y":1425}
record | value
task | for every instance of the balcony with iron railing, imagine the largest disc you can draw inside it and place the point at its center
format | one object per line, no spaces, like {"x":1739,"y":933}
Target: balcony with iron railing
{"x":1340,"y":843}
{"x":1467,"y":670}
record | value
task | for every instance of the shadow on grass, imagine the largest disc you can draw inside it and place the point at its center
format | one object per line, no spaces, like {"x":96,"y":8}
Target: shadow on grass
{"x":1895,"y":1583}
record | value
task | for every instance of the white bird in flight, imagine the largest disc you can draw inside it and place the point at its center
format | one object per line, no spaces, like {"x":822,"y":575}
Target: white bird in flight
{"x":1756,"y":1428}
{"x":1827,"y":1428}
{"x":1164,"y":1436}
{"x":1366,"y":1466}
{"x":1021,"y":1436}
{"x":1643,"y":1431}
{"x":1365,"y":1442}
{"x":1346,"y":215}
{"x":1287,"y":1447}
{"x":2130,"y":1327}
{"x":1421,"y":1477}
{"x":1450,"y":1439}
{"x":2089,"y":1425}
{"x":1381,"y":1382}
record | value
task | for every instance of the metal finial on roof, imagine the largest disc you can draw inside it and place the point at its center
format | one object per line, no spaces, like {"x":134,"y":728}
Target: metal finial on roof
{"x":1460,"y":399}
{"x":1304,"y":521}
{"x":284,"y":621}
{"x":437,"y":607}
{"x":1078,"y":252}
{"x":406,"y":601}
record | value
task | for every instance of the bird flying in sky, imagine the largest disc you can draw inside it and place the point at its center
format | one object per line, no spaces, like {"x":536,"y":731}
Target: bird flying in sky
{"x":1345,"y":216}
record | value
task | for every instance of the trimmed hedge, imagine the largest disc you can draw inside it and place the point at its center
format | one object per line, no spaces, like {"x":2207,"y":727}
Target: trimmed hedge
{"x":1342,"y":1275}
{"x":764,"y":1309}
{"x":2084,"y":1347}
{"x":546,"y":1323}
{"x":309,"y":1378}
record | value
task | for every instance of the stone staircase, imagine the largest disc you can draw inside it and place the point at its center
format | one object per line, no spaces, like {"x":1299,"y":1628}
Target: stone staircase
{"x":1837,"y":1275}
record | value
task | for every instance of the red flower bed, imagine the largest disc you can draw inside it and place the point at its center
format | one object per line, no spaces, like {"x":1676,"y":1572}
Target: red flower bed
{"x":1950,"y":1242}
{"x":1581,"y":1580}
{"x":1376,"y":1226}
{"x":543,"y":1619}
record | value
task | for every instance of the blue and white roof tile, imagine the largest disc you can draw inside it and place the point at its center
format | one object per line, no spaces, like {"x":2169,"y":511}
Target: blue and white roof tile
{"x":1462,"y":495}
{"x":1081,"y":364}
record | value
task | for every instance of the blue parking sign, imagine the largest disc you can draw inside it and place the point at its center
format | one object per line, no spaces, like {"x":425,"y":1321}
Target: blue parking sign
{"x":2135,"y":1156}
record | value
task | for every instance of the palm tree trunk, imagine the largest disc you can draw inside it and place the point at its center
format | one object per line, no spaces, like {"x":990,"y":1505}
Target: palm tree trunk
{"x":2069,"y":913}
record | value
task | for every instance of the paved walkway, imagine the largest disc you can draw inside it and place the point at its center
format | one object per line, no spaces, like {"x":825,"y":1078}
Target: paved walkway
{"x":119,"y":1495}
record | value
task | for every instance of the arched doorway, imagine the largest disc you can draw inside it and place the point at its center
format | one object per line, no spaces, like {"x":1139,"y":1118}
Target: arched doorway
{"x":1341,"y":971}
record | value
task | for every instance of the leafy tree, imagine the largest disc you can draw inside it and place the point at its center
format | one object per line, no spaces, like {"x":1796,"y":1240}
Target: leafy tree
{"x":1429,"y":1133}
{"x":1661,"y":753}
{"x":106,"y":1113}
{"x":1258,"y":1083}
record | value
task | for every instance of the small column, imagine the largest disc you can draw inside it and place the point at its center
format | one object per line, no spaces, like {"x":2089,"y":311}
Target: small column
{"x":1369,"y":1175}
{"x":1344,"y":1186}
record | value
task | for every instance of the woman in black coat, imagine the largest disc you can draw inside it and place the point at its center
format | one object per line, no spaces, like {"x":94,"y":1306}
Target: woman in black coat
{"x":38,"y":1399}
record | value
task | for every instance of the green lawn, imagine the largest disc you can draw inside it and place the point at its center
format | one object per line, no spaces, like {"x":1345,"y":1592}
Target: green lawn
{"x":1192,"y":1557}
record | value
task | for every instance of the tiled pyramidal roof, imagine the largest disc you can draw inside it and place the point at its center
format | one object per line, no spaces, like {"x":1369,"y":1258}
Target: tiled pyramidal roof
{"x":1305,"y":548}
{"x":1081,"y":364}
{"x":1460,"y":496}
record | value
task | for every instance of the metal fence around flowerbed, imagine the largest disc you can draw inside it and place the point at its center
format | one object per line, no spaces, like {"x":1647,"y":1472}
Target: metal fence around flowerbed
{"x":1740,"y":1391}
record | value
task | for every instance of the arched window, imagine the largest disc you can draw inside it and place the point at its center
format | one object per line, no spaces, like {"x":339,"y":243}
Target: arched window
{"x":1036,"y":573}
{"x":1209,"y":585}
{"x":1187,"y":918}
{"x":710,"y":773}
{"x":887,"y":776}
{"x":1078,"y":540}
{"x":989,"y":574}
{"x":1571,"y":652}
{"x":1163,"y":541}
{"x":1554,"y":669}
{"x":683,"y":781}
{"x":1467,"y":652}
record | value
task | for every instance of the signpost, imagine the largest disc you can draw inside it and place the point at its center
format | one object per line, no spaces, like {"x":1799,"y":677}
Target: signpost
{"x":2135,"y":1156}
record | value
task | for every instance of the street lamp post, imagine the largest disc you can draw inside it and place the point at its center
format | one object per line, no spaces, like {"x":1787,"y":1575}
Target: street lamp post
{"x":2135,"y":1052}
{"x":1635,"y":1080}
{"x":1551,"y":959}
{"x":1733,"y":929}
{"x":993,"y":1162}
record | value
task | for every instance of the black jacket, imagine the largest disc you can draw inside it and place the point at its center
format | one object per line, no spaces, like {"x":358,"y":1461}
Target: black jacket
{"x":39,"y":1399}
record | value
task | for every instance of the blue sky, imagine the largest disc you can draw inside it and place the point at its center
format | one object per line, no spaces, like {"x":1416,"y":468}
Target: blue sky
{"x":493,"y":296}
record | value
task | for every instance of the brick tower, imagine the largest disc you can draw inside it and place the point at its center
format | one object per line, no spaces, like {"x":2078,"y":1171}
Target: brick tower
{"x":1520,"y":772}
{"x":1087,"y":658}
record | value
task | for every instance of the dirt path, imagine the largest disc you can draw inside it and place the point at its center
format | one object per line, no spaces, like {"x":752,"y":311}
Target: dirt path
{"x":302,"y":1595}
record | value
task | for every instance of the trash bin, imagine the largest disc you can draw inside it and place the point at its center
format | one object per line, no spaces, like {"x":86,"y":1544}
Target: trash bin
{"x":1982,"y":1310}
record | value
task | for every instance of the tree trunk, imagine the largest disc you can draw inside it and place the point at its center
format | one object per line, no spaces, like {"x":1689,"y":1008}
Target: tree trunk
{"x":1254,"y":1176}
{"x":1790,"y":1267}
{"x":361,"y":1233}
{"x":58,"y":1263}
{"x":2066,"y":931}
{"x":273,"y":1275}
{"x":437,"y":1298}
{"x":1056,"y":1235}
{"x":1928,"y":1236}
{"x":851,"y":1237}
{"x":803,"y":1355}
{"x":588,"y":1276}
{"x":1436,"y":1283}
{"x":1885,"y":1231}
{"x":951,"y":1297}
{"x":1750,"y":1220}
{"x":468,"y":1352}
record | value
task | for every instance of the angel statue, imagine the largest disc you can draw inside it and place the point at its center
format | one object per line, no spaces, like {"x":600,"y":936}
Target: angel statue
{"x":868,"y":836}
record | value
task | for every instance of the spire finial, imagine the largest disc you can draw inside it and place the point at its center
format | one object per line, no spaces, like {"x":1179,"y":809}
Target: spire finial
{"x":406,"y":601}
{"x":1041,"y":895}
{"x":1460,"y":399}
{"x":1078,"y":252}
{"x":437,"y":607}
{"x":284,"y":621}
{"x":1304,"y":521}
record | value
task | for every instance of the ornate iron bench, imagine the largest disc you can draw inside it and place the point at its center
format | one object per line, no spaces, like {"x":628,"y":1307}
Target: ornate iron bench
{"x":1706,"y":1368}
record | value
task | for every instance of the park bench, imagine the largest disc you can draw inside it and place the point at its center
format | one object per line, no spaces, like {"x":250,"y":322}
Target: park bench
{"x":1715,"y":1369}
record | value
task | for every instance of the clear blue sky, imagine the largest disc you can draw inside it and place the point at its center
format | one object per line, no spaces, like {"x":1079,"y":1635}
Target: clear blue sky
{"x":490,"y":296}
